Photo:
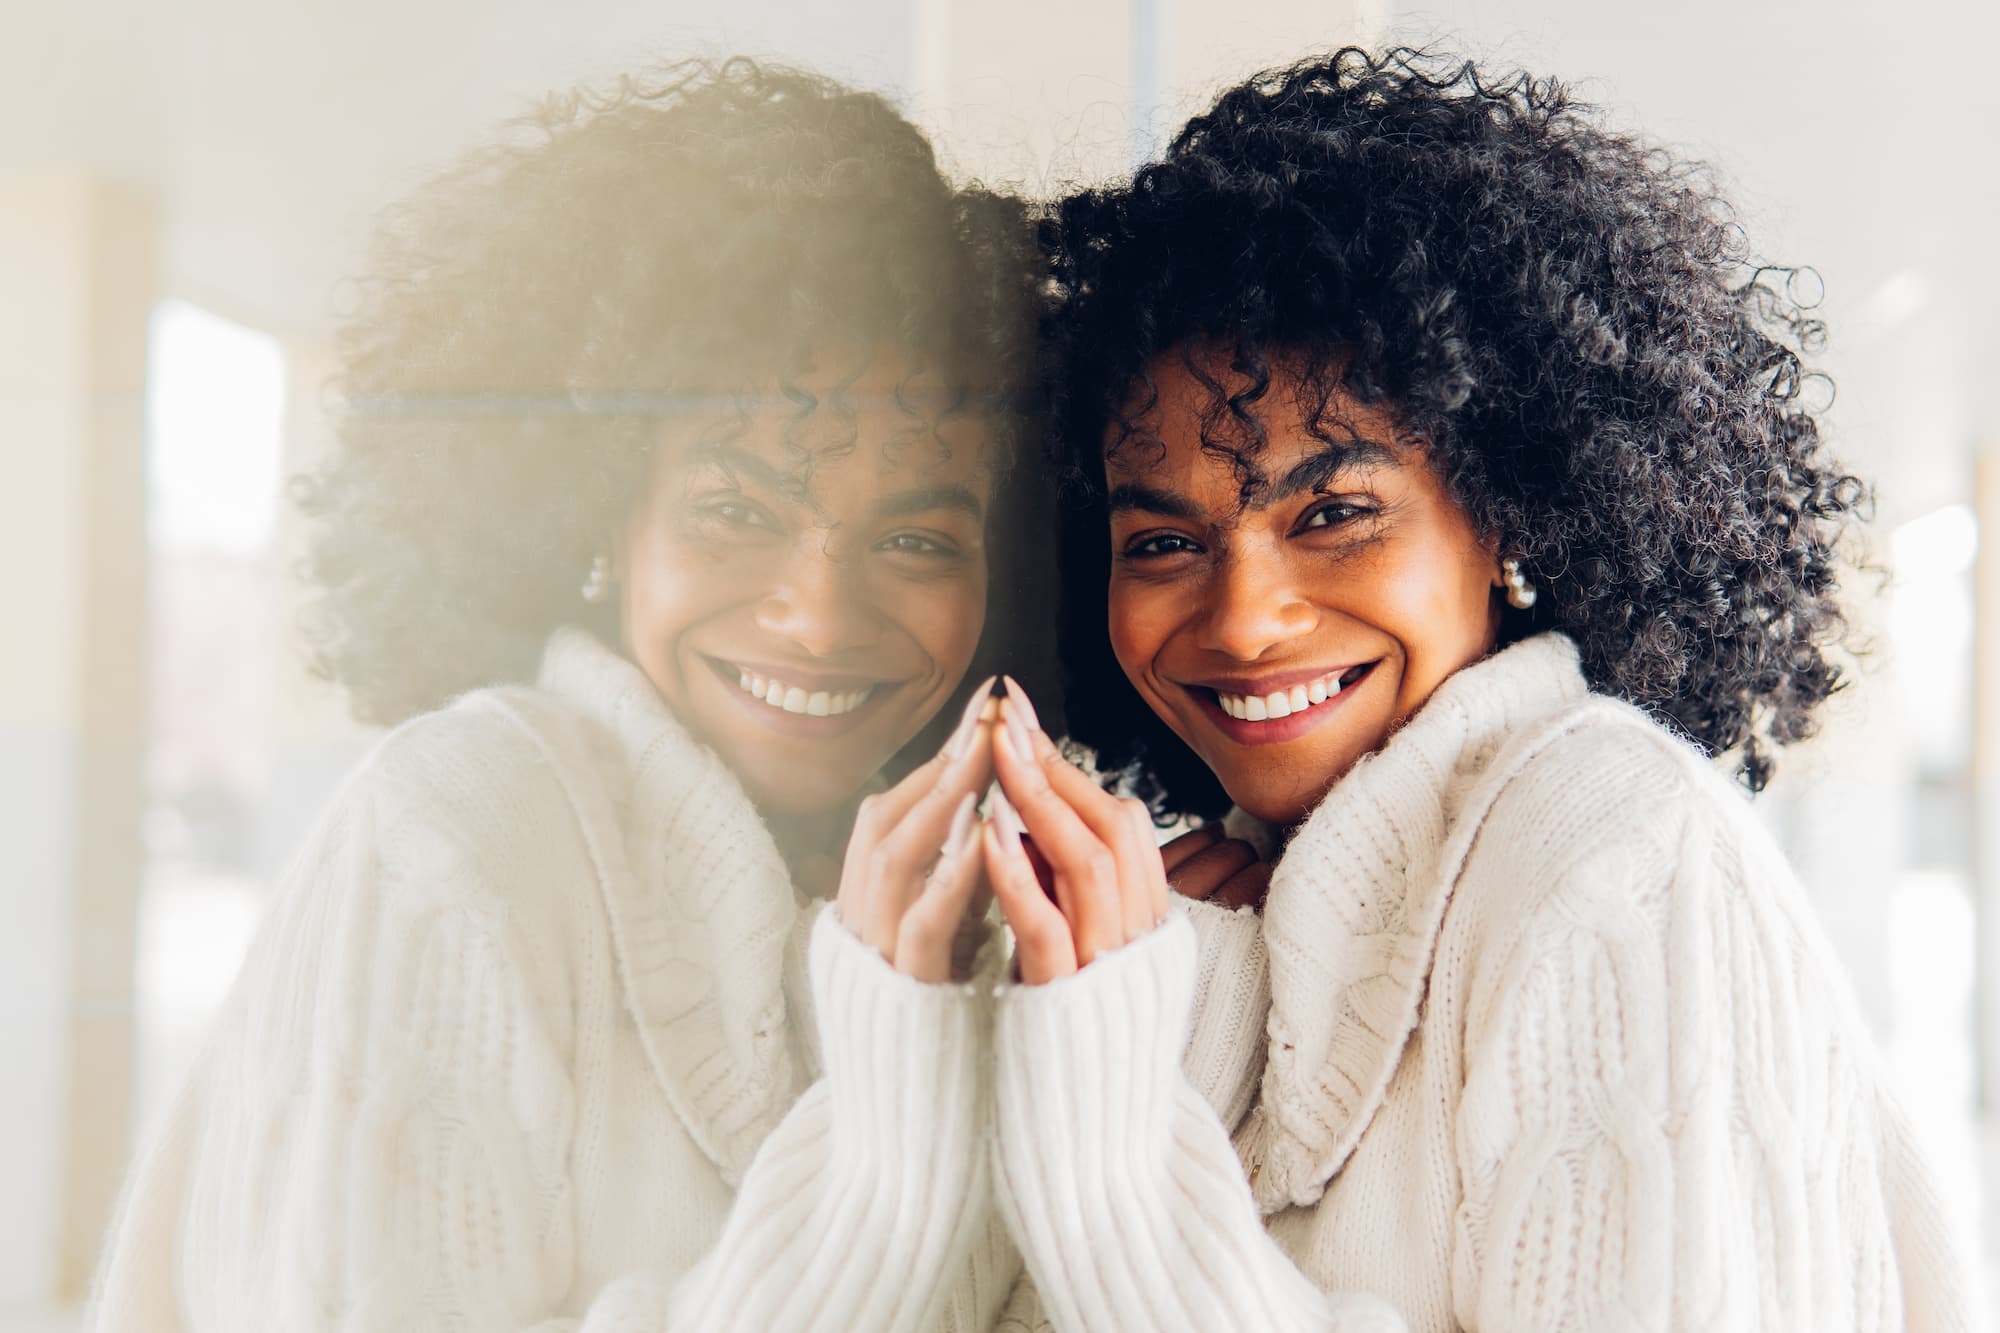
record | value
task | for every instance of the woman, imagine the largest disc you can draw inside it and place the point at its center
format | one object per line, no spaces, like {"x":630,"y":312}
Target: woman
{"x":1449,"y":498}
{"x":675,"y":431}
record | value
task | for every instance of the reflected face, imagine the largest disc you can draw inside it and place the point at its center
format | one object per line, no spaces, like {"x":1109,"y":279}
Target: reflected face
{"x":1286,"y":638}
{"x":806,"y":592}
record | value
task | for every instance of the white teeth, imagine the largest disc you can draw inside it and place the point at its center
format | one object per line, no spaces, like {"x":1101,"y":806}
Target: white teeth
{"x":794,"y":699}
{"x":1280,"y":703}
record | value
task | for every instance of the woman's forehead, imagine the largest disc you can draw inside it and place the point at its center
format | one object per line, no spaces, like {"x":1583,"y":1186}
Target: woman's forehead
{"x":831,"y":456}
{"x":1227,"y":400}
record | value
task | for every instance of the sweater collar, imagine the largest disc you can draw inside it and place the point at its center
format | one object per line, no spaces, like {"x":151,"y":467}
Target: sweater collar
{"x":701,"y":910}
{"x":1355,"y":905}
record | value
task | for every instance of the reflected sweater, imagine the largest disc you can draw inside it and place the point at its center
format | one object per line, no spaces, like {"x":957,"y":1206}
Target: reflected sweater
{"x":527,"y":1042}
{"x":1553,"y":1044}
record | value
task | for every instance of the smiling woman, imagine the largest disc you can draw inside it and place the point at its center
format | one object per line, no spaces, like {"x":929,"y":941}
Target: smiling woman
{"x":1447,"y":503}
{"x":675,"y":429}
{"x":807,"y":593}
{"x":1282,"y":629}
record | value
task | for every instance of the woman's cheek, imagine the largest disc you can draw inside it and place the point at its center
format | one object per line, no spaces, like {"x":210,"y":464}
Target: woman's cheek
{"x":947,"y":618}
{"x":1136,"y":629}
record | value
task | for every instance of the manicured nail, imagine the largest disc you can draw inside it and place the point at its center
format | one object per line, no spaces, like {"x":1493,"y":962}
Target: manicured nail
{"x":968,"y":722}
{"x":1022,"y":739}
{"x":1017,"y":699}
{"x":962,"y":820}
{"x":1009,"y":824}
{"x":1007,"y":737}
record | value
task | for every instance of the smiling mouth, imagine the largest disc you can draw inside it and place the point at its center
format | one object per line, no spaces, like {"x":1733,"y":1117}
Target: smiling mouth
{"x":1297,"y":699}
{"x":804,"y":699}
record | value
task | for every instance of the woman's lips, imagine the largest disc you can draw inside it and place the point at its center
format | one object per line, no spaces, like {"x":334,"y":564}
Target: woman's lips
{"x":1236,"y":718}
{"x":798,"y":703}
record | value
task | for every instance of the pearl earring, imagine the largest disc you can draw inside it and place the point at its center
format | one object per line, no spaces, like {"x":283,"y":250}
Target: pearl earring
{"x":1520,"y":592}
{"x":597,"y":583}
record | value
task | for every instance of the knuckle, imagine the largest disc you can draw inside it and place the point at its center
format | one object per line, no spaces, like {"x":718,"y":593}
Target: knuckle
{"x":1100,"y":865}
{"x":881,"y":863}
{"x":868,"y":814}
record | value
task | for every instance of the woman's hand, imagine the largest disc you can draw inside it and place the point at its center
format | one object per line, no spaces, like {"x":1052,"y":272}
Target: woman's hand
{"x":1109,"y":883}
{"x":913,"y":864}
{"x":1209,"y":867}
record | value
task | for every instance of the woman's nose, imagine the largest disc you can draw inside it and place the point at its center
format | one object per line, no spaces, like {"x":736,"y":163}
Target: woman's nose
{"x":819,"y":604}
{"x":1252,"y":606}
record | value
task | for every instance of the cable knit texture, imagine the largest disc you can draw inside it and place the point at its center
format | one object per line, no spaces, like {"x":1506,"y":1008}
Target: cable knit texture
{"x":516,"y":1050}
{"x":1554,"y":1043}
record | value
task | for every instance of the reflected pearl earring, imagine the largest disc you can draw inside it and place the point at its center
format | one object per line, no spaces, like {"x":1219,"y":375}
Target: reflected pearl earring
{"x":597,"y":583}
{"x":1520,"y":592}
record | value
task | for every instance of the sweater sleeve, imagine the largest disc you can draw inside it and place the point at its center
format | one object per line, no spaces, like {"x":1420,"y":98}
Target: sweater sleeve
{"x":1670,"y":1120}
{"x":869,"y":1201}
{"x":1114,"y":1173}
{"x":1232,"y":996}
{"x":377,"y":1138}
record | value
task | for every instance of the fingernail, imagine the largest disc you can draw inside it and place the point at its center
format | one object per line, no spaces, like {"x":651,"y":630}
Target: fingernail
{"x":961,"y":826}
{"x":968,"y":722}
{"x":1009,"y":824}
{"x":1018,"y":736}
{"x":1017,"y":698}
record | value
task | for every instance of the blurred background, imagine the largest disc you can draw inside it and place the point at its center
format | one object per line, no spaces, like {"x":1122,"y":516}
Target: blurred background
{"x":183,"y":184}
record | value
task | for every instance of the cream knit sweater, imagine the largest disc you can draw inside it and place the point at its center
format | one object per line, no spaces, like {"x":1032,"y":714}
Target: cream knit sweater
{"x":1553,"y":1044}
{"x":522,"y":1046}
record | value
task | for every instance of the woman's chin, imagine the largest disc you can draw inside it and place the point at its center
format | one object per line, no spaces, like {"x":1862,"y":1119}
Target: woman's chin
{"x":1281,"y":799}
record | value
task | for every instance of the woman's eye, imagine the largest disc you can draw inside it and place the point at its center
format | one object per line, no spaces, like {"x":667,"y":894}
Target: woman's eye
{"x":913,"y":543}
{"x":1332,"y":515}
{"x":1159,"y":544}
{"x":738,"y":514}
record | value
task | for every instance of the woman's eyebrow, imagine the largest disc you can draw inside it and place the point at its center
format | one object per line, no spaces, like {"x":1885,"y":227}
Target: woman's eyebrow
{"x":1313,"y":472}
{"x":1151,"y":500}
{"x":925,"y":499}
{"x":741,"y":462}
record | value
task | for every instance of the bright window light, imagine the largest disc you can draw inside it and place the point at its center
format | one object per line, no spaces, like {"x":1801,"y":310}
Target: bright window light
{"x":215,"y":409}
{"x":1930,"y":629}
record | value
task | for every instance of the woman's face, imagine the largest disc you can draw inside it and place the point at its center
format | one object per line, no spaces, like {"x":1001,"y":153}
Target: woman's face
{"x":806,"y":590}
{"x":1285,"y":638}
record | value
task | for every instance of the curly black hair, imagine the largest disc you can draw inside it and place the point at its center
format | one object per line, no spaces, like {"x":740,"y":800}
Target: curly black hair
{"x":1566,"y":318}
{"x":665,"y":246}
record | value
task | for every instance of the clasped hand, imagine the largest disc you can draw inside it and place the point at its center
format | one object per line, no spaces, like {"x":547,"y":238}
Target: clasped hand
{"x":1076,"y":870}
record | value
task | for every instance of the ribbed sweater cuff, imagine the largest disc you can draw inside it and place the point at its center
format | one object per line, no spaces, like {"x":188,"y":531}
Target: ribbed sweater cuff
{"x":1224,"y":1059}
{"x":1117,"y":1179}
{"x":901,"y":1056}
{"x":861,"y":1208}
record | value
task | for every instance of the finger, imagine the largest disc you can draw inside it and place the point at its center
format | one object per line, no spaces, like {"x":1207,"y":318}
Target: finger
{"x":1180,"y":849}
{"x":894,"y":870}
{"x":1086,"y":870}
{"x":1246,"y":888}
{"x":1044,"y":947}
{"x":1123,"y":825}
{"x":926,"y":932}
{"x":1147,"y":851}
{"x":1202,"y":874}
{"x":889,"y":808}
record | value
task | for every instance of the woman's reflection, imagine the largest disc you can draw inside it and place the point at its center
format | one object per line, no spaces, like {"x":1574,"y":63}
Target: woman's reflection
{"x":675,"y":429}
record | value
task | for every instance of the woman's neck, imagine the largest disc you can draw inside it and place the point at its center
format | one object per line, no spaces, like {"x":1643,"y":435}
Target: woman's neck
{"x":813,"y":845}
